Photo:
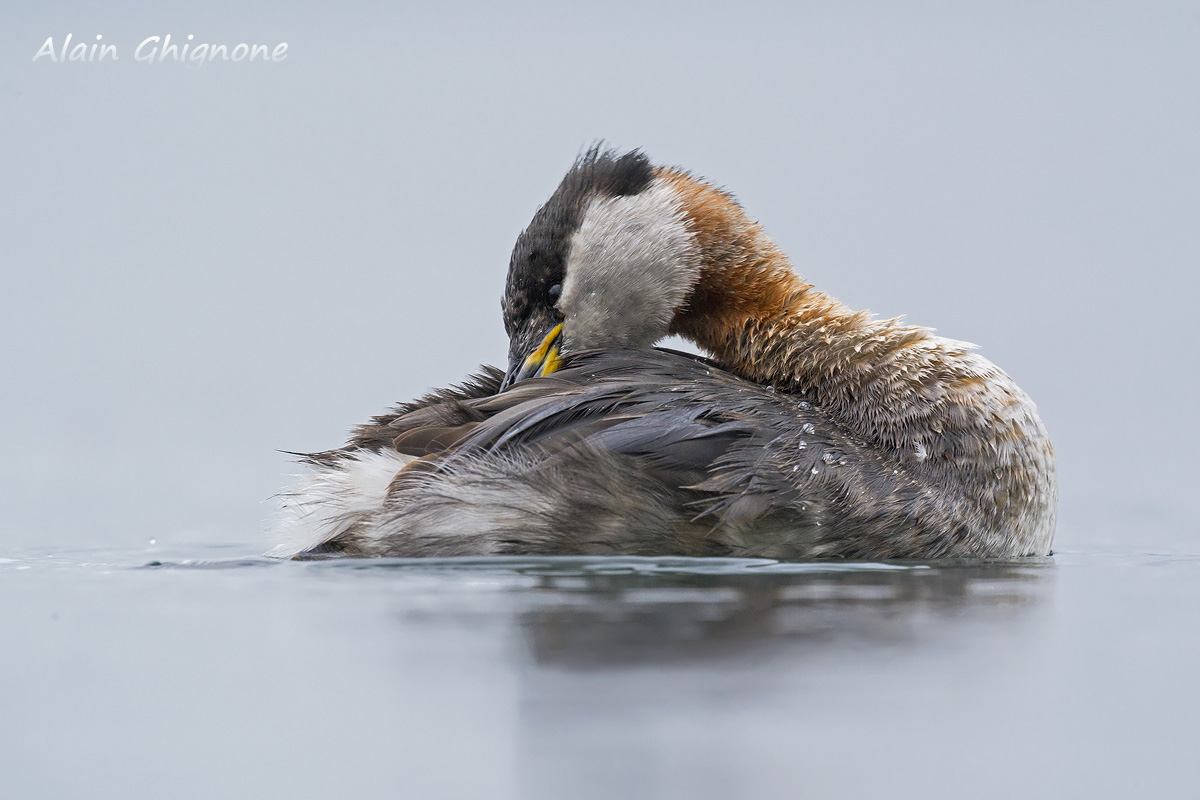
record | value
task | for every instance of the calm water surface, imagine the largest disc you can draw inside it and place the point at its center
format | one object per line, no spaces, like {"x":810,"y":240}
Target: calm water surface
{"x":218,"y":673}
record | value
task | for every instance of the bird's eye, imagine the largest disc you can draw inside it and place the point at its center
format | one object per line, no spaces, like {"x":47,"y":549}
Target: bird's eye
{"x":553,"y":292}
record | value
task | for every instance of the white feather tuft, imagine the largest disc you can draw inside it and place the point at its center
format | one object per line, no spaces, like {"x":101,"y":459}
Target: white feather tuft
{"x":331,"y":500}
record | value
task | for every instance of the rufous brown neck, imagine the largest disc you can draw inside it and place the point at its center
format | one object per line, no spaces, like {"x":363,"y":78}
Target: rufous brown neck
{"x":750,"y":309}
{"x":896,"y":385}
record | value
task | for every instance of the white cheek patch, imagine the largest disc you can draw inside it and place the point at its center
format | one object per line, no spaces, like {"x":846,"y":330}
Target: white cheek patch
{"x":331,"y":500}
{"x":631,"y":265}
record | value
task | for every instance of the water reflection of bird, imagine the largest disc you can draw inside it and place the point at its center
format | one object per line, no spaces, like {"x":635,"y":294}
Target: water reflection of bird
{"x":580,"y":619}
{"x":814,"y":431}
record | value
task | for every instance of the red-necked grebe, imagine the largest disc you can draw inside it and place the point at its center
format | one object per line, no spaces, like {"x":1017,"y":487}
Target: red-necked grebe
{"x":813,"y":430}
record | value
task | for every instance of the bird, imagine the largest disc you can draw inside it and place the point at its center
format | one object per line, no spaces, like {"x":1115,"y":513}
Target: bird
{"x":807,"y":430}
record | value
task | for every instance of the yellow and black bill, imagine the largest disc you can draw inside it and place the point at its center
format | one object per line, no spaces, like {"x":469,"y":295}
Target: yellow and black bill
{"x":542,"y":360}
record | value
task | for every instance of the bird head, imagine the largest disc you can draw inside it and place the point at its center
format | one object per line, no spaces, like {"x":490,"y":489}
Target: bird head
{"x":608,"y":261}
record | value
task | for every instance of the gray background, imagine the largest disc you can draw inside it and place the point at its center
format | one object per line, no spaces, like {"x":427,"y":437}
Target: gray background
{"x":204,"y":266}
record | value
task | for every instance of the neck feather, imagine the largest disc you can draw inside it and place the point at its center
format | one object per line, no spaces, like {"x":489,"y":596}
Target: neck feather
{"x":928,"y":402}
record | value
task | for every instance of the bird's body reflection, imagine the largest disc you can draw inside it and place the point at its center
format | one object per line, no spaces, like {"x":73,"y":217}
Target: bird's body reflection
{"x":590,"y":612}
{"x":632,"y":618}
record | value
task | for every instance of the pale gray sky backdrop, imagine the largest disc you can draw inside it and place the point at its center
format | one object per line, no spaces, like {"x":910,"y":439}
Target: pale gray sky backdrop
{"x":202,"y":266}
